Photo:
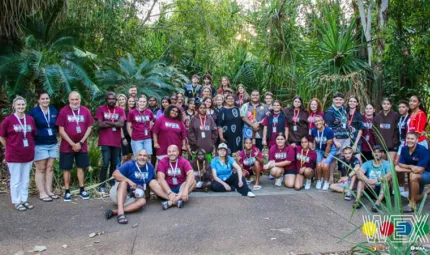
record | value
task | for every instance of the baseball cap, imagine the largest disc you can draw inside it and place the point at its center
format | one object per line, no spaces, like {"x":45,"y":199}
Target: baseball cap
{"x":222,"y":146}
{"x":338,"y":94}
{"x":378,"y":148}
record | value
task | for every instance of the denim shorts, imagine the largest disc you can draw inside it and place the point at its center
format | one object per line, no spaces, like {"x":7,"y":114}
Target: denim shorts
{"x":425,"y":179}
{"x":139,"y":145}
{"x":330,"y":157}
{"x":46,"y":151}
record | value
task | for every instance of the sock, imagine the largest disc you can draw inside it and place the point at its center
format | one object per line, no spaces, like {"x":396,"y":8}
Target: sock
{"x":81,"y":189}
{"x":67,"y":191}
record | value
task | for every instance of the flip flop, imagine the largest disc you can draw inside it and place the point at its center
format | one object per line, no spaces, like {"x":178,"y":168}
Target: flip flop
{"x":28,"y":205}
{"x":54,"y":196}
{"x":20,"y":207}
{"x":46,"y":199}
{"x":165,"y":205}
{"x":408,"y":209}
{"x":256,"y":187}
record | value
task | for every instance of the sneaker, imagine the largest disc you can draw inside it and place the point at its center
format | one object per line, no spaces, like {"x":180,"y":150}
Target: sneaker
{"x":357,"y":205}
{"x":278,"y":182}
{"x":376,"y":208}
{"x":270,"y":177}
{"x":308,"y":184}
{"x":102,"y":191}
{"x":84,"y":195}
{"x":319,"y":184}
{"x":250,"y":194}
{"x":401,"y":189}
{"x":180,"y":204}
{"x":67,"y":197}
{"x":404,"y":194}
{"x":348,"y":196}
{"x":326,"y":185}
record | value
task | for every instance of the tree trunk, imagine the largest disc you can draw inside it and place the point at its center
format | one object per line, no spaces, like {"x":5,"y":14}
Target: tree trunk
{"x":379,"y":69}
{"x":366,"y":22}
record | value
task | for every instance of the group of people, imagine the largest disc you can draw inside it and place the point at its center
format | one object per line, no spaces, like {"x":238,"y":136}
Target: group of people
{"x":207,"y":139}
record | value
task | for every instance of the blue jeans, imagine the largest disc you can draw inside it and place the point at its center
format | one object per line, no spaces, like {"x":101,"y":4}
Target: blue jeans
{"x":330,"y":157}
{"x":109,"y":156}
{"x":139,"y":145}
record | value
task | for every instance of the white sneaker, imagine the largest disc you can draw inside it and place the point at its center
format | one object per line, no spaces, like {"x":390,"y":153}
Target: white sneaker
{"x":278,"y":182}
{"x":326,"y":185}
{"x":270,"y":177}
{"x":404,"y":194}
{"x":250,"y":194}
{"x":401,"y":189}
{"x":319,"y":184}
{"x":308,"y":184}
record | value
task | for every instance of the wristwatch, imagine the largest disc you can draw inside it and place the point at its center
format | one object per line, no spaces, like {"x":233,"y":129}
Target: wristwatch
{"x":81,"y":143}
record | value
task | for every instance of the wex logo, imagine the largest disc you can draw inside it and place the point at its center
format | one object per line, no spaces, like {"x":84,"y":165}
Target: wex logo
{"x":399,"y":228}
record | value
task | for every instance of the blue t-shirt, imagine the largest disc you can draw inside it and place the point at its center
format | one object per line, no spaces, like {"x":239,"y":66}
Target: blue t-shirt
{"x":321,"y":138}
{"x":420,"y":157}
{"x":223,"y":171}
{"x":373,"y":172}
{"x":42,"y":137}
{"x":130,"y":170}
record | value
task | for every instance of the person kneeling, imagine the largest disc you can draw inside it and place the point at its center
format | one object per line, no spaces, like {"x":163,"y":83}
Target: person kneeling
{"x":306,"y":161}
{"x":132,"y":179}
{"x":202,"y":171}
{"x":176,"y":177}
{"x":373,"y":173}
{"x":224,"y":177}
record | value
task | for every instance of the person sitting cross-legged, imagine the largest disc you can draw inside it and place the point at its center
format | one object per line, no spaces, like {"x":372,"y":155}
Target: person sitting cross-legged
{"x":414,"y":160}
{"x":176,"y":176}
{"x":371,"y":174}
{"x":132,"y":179}
{"x":202,"y":171}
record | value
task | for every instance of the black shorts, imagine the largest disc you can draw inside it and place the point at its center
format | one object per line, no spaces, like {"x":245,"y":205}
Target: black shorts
{"x":376,"y":190}
{"x":125,"y":150}
{"x":67,"y":159}
{"x":290,"y":172}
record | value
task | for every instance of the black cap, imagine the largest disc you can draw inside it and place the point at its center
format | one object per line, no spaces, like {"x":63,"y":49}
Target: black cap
{"x":378,"y":148}
{"x":338,"y":94}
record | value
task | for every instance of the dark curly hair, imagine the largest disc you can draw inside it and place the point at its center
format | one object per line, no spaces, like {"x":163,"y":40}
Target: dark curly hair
{"x":169,"y":109}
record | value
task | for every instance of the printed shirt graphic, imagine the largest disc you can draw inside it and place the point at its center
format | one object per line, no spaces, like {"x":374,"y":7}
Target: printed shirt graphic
{"x":307,"y":159}
{"x":140,"y":121}
{"x":321,"y":138}
{"x":180,"y":174}
{"x":372,"y":172}
{"x":247,"y":160}
{"x":67,"y":120}
{"x":169,"y":131}
{"x":286,"y":153}
{"x":12,"y":132}
{"x":107,"y":136}
{"x":129,"y":170}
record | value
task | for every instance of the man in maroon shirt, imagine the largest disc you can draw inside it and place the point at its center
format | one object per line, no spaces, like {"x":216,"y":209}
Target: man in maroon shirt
{"x":75,"y":124}
{"x":110,"y":119}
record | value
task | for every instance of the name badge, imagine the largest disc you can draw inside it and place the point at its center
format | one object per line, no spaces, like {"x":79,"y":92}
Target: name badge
{"x":274,"y":130}
{"x":175,"y":181}
{"x":367,"y":137}
{"x":49,"y":131}
{"x":310,"y":131}
{"x":78,"y":130}
{"x":114,"y":129}
{"x":144,"y":186}
{"x":25,"y":142}
{"x":203,"y":134}
{"x":343,"y":125}
{"x":199,"y":184}
{"x":294,"y":128}
{"x":146,"y":131}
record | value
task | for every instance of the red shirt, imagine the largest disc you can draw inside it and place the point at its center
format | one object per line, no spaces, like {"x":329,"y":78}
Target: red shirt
{"x":305,"y":159}
{"x":418,"y":124}
{"x":12,"y":131}
{"x":140,"y":124}
{"x":286,"y":153}
{"x":247,"y":160}
{"x":274,"y":131}
{"x":70,"y":120}
{"x":110,"y":136}
{"x":168,"y":168}
{"x":169,"y":131}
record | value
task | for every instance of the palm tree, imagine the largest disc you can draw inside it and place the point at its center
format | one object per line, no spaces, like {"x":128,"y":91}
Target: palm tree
{"x":153,"y":78}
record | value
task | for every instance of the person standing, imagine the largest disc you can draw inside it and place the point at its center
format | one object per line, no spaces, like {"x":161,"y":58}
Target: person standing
{"x":46,"y":150}
{"x":274,"y":124}
{"x":153,"y":105}
{"x":314,"y":109}
{"x":110,"y":119}
{"x":139,"y":127}
{"x":230,"y":125}
{"x":225,"y":84}
{"x":193,"y":90}
{"x":126,"y":105}
{"x":132,"y":92}
{"x":418,"y":120}
{"x":190,"y":112}
{"x":165,"y":101}
{"x":17,"y":133}
{"x":268,"y":99}
{"x":355,"y":124}
{"x":297,"y":120}
{"x":368,"y":136}
{"x":207,"y":81}
{"x":242,"y":96}
{"x":203,"y":132}
{"x":75,"y":124}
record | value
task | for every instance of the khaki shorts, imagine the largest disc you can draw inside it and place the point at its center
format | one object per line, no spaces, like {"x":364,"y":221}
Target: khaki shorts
{"x":112,"y":194}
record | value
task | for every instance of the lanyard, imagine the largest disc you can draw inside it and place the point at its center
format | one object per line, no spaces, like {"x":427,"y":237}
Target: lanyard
{"x":142,"y":116}
{"x":351,"y":118}
{"x":23,"y":127}
{"x":250,"y":154}
{"x":202,"y":123}
{"x":48,"y":119}
{"x":342,"y":116}
{"x":74,"y":115}
{"x":320,"y":137}
{"x":141,"y":174}
{"x":240,"y":99}
{"x":275,"y":119}
{"x":295,"y":117}
{"x":311,"y":122}
{"x":303,"y":159}
{"x":174,"y":169}
{"x":194,"y":90}
{"x":401,"y":123}
{"x":112,"y":118}
{"x":198,"y":168}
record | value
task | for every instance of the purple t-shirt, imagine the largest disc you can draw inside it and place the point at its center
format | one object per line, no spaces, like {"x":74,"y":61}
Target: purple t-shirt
{"x":247,"y":160}
{"x":286,"y":153}
{"x":71,"y":120}
{"x":305,"y":159}
{"x":140,"y":124}
{"x":168,"y":168}
{"x":12,"y":131}
{"x":110,"y":136}
{"x":169,"y":132}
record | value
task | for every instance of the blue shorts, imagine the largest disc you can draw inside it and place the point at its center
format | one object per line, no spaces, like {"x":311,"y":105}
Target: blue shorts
{"x":425,"y":179}
{"x":139,"y":145}
{"x":330,"y":157}
{"x":290,"y":172}
{"x":176,"y":189}
{"x":45,"y":151}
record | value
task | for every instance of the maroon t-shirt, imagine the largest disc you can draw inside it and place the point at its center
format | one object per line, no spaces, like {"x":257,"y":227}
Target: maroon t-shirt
{"x":305,"y":158}
{"x":274,"y":131}
{"x":368,"y":137}
{"x":169,"y":131}
{"x":71,"y":120}
{"x":286,"y":153}
{"x":247,"y":160}
{"x":12,"y":131}
{"x":168,"y":168}
{"x":110,"y":136}
{"x":140,"y":124}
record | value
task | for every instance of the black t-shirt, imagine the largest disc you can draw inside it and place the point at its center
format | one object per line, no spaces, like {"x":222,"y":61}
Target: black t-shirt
{"x":345,"y":167}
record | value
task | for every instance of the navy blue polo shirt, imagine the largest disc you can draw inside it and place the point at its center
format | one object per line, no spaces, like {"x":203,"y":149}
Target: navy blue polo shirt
{"x":42,"y":137}
{"x":420,"y":157}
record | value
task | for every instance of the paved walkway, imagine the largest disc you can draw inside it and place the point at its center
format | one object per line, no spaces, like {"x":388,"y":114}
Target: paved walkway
{"x":277,"y":221}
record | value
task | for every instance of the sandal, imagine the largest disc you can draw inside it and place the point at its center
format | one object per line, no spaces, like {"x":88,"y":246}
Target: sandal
{"x":53,"y":196}
{"x":256,"y":187}
{"x":20,"y":207}
{"x":121,"y":219}
{"x":153,"y":196}
{"x":408,"y":209}
{"x":180,"y":203}
{"x":46,"y":199}
{"x":165,"y":205}
{"x":109,"y":214}
{"x":28,"y":205}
